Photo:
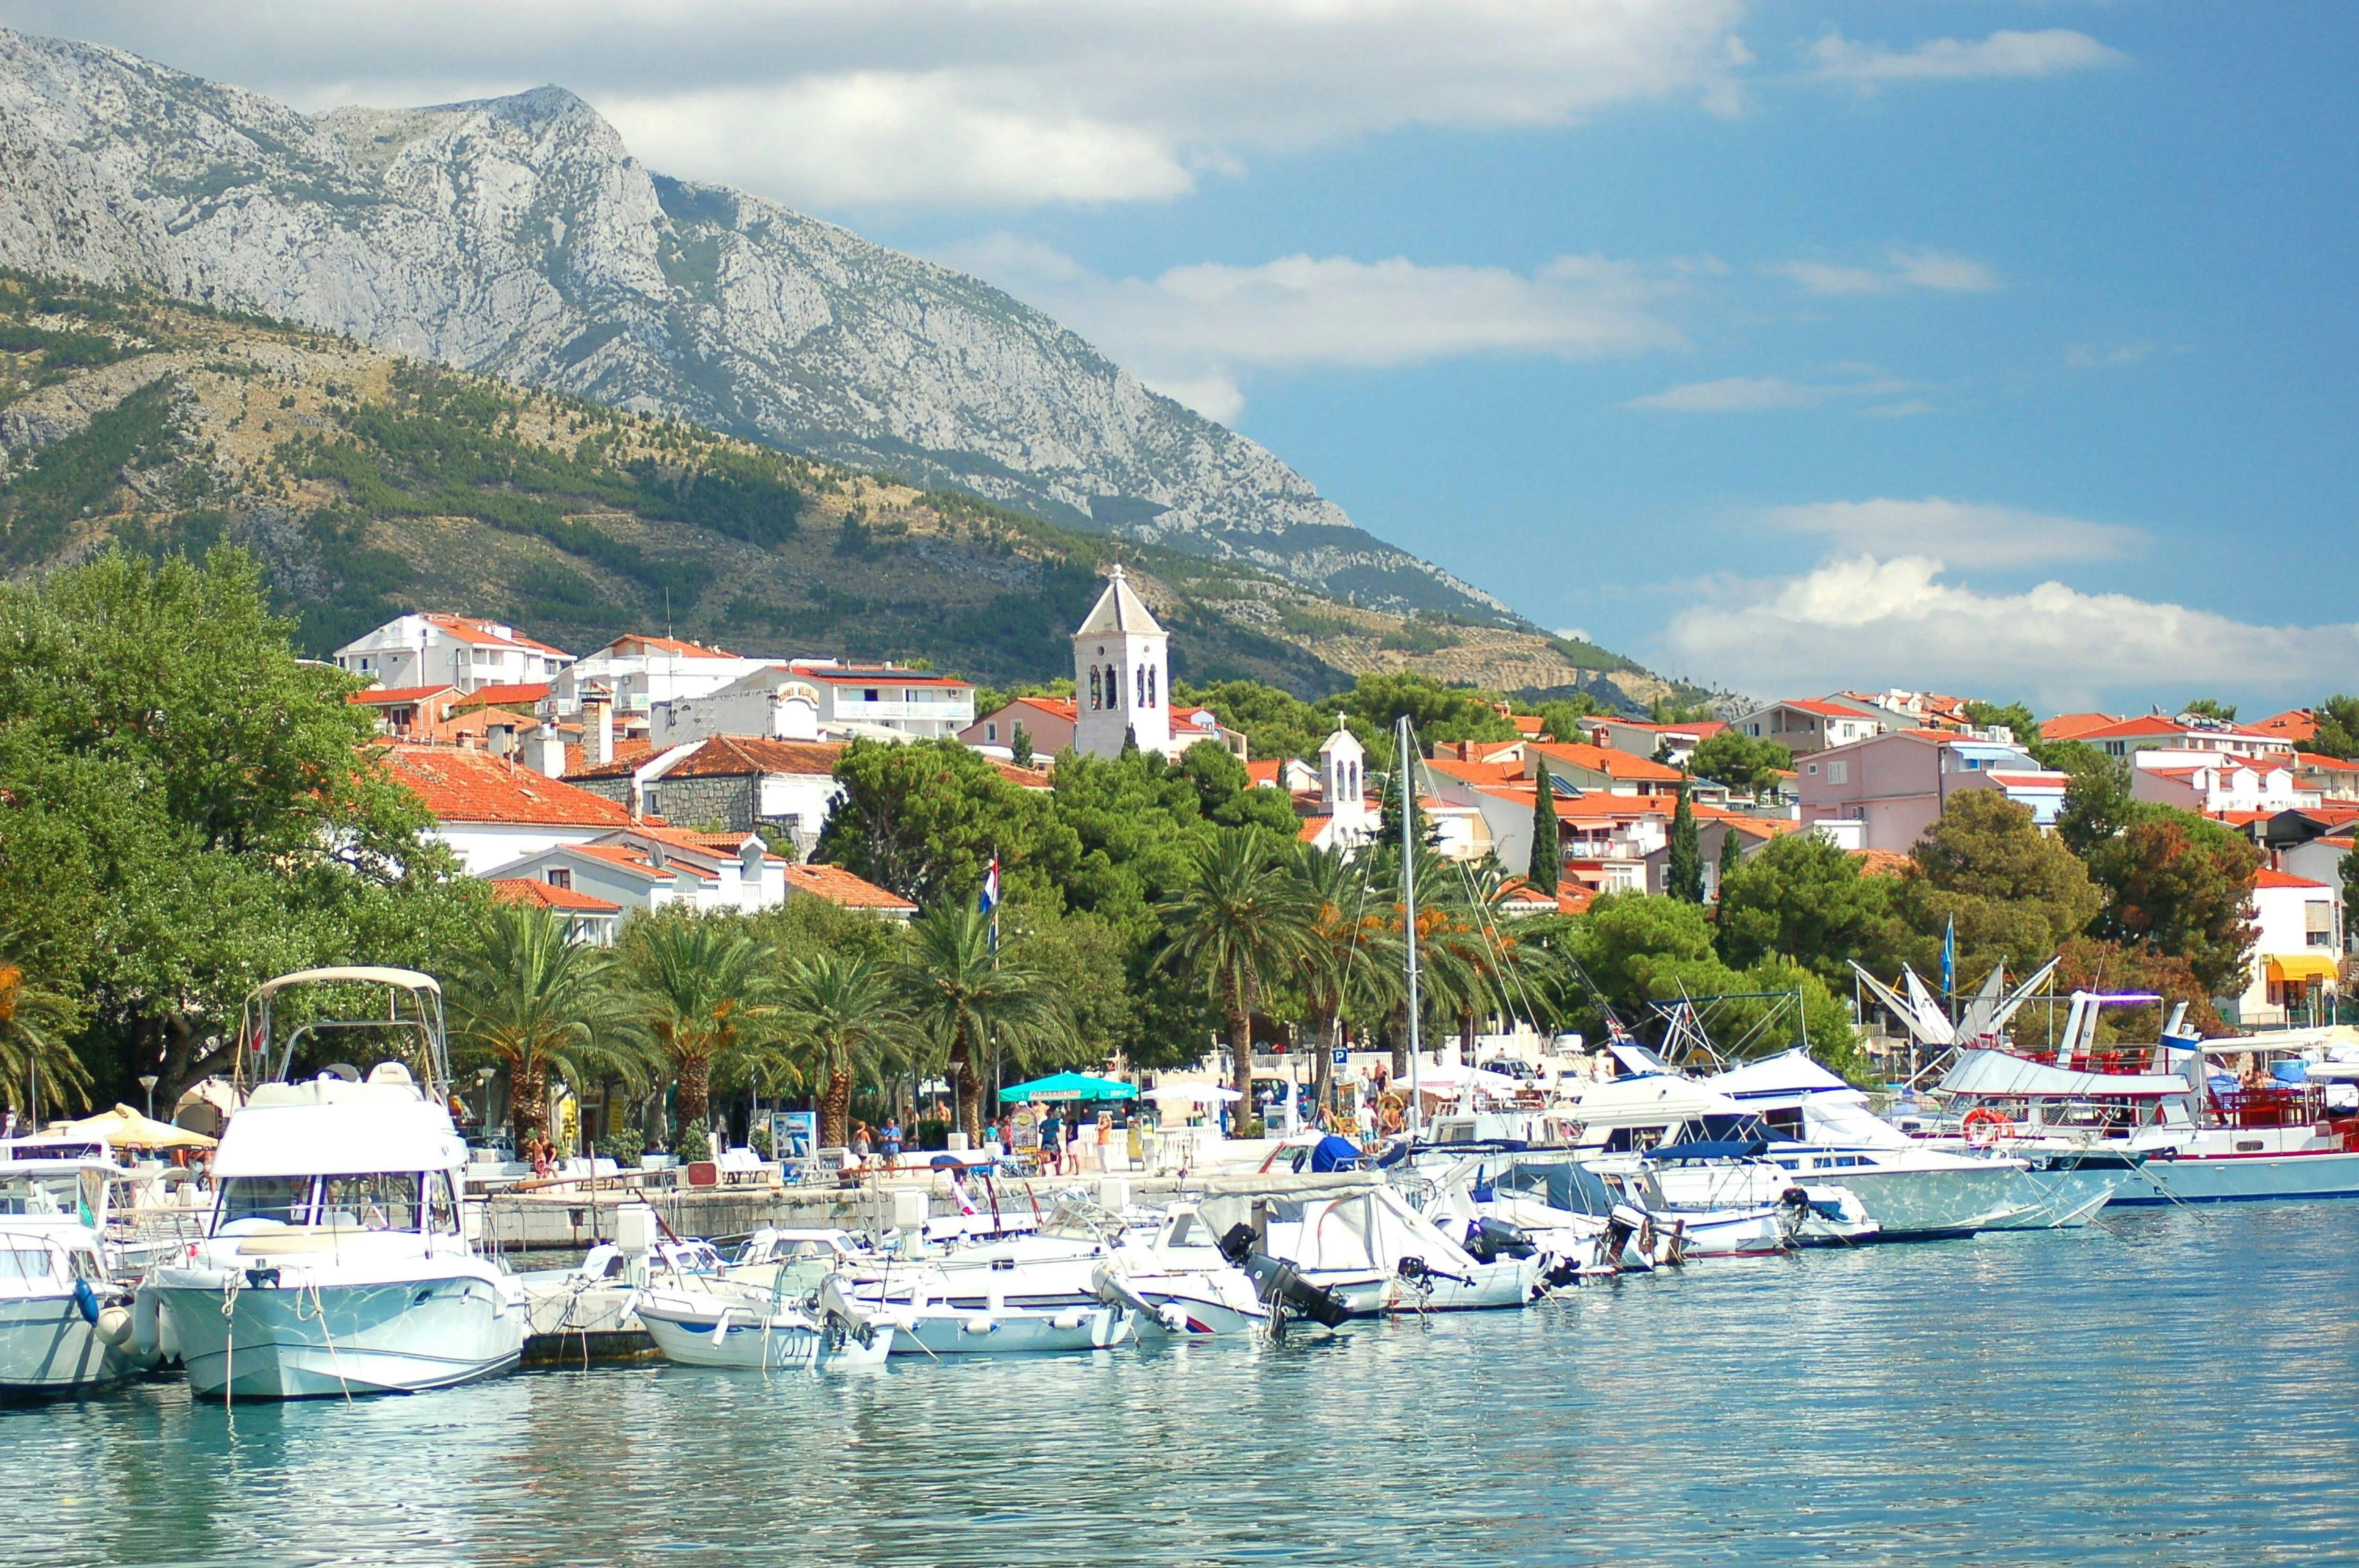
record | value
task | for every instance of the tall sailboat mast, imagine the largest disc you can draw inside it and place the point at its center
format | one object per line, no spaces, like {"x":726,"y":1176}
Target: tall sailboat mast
{"x":1405,"y":788}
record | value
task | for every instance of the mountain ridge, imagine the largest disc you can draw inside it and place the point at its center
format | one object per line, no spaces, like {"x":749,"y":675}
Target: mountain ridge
{"x":519,"y":237}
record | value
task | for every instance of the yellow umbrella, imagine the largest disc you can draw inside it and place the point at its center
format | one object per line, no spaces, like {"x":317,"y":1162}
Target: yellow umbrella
{"x":126,"y":1129}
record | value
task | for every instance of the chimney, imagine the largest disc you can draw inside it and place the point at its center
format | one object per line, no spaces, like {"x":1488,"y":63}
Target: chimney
{"x":545,"y":751}
{"x":598,"y":726}
{"x":499,"y":737}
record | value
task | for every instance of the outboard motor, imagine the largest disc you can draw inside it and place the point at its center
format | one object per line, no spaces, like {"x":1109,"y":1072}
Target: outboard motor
{"x":1283,"y":1290}
{"x":1491,"y":1239}
{"x":1237,"y":1244}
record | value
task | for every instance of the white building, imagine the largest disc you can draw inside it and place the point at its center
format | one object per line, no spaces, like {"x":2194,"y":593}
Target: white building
{"x":2297,"y":953}
{"x":815,"y":699}
{"x":2211,"y":782}
{"x":1122,"y":675}
{"x":490,"y":811}
{"x":642,"y":867}
{"x":422,"y":649}
{"x":638,"y":672}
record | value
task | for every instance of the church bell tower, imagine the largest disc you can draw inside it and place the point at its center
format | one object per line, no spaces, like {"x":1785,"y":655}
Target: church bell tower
{"x":1121,"y":674}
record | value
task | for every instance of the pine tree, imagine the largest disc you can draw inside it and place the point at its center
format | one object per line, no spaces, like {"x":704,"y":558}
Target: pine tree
{"x":1547,"y":859}
{"x":1019,"y":747}
{"x":1731,"y":855}
{"x":1683,"y":877}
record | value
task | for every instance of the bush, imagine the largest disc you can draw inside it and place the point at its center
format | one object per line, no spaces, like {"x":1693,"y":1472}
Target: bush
{"x":624,"y":1147}
{"x":693,"y":1144}
{"x":758,"y":1140}
{"x":933,"y":1136}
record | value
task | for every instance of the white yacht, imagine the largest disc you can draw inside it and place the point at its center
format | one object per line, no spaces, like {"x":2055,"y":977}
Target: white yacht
{"x":65,"y":1323}
{"x":1371,"y":1250}
{"x":335,"y":1260}
{"x":721,"y":1324}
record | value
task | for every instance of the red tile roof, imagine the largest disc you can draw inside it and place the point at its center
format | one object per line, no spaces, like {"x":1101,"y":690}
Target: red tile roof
{"x":466,"y":629}
{"x":2270,"y":877}
{"x":1612,"y":763}
{"x":632,"y":643}
{"x":837,"y":885}
{"x":1266,"y":773}
{"x":2147,"y":724}
{"x":462,"y":786}
{"x":2072,"y":725}
{"x":631,"y":857}
{"x":1311,"y":827}
{"x":394,"y":695}
{"x":512,"y":694}
{"x":532,"y":890}
{"x":1881,"y":862}
{"x":729,"y":756}
{"x":1029,"y":778}
{"x":1064,"y":708}
{"x":2320,"y":759}
{"x":1478,"y":773}
{"x":2293,"y":724}
{"x":1825,"y":709}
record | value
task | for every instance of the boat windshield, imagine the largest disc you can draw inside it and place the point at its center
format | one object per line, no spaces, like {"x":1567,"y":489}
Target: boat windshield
{"x":373,"y":1200}
{"x":19,"y":1265}
{"x":53,"y":1196}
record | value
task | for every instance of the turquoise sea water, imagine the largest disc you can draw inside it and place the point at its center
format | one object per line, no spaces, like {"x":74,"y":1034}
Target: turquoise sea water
{"x":2167,"y":1387}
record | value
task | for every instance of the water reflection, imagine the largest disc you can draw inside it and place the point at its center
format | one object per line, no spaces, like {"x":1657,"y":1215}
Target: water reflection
{"x":2172,"y":1388}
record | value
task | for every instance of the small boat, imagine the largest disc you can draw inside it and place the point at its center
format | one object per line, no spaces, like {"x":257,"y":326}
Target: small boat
{"x":1369,"y":1248}
{"x":724,"y":1325}
{"x":932,"y":1325}
{"x":335,"y":1261}
{"x":65,"y":1320}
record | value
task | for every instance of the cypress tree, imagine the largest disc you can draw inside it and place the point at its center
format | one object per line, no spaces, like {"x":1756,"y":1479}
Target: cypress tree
{"x":1731,"y":855}
{"x":1547,"y":859}
{"x":1683,"y":877}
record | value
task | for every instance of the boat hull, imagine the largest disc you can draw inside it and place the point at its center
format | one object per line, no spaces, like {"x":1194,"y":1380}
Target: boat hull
{"x":1920,"y":1204}
{"x":686,"y":1334}
{"x":2244,"y":1178}
{"x":1025,"y":1331}
{"x":48,"y":1348}
{"x":305,"y":1342}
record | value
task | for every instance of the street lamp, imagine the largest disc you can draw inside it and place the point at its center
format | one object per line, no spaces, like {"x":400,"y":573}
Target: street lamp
{"x":149,"y":1082}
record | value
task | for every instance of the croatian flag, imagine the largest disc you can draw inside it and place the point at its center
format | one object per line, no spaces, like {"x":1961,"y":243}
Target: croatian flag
{"x":990,"y":899}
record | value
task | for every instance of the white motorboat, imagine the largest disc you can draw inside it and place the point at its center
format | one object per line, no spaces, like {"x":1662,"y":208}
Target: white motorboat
{"x":726,"y":1326}
{"x":932,"y":1325}
{"x":65,"y":1320}
{"x":1371,"y":1250}
{"x":1175,"y":1276}
{"x":334,"y":1260}
{"x":2195,"y":1137}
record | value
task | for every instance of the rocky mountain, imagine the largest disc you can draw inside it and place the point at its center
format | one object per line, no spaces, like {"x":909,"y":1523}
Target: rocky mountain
{"x":518,"y":237}
{"x":368,"y":484}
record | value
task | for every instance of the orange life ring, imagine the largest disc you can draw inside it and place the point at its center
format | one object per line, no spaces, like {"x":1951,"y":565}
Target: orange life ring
{"x":1991,"y":1126}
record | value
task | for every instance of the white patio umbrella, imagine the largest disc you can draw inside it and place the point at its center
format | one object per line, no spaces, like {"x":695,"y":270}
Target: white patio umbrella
{"x":1191,"y":1094}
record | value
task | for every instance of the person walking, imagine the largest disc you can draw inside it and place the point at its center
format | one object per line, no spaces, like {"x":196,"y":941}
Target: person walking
{"x":891,"y":1138}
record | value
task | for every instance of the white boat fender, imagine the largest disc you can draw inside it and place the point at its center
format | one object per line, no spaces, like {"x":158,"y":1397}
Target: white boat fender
{"x":114,"y":1325}
{"x":1070,"y":1319}
{"x":982,"y":1323}
{"x":147,"y":1322}
{"x":720,"y":1325}
{"x":1174,"y":1317}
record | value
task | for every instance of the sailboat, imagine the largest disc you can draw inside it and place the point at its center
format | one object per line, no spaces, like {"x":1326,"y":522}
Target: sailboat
{"x":334,"y":1260}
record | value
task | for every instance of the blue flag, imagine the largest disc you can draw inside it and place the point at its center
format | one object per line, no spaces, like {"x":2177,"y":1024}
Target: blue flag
{"x":1949,"y":959}
{"x":988,"y":902}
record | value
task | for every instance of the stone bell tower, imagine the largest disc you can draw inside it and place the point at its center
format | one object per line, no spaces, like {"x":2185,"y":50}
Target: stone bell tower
{"x":1121,"y":674}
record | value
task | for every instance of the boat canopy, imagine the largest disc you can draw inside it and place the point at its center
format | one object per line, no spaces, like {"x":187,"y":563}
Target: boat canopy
{"x":1990,"y":1074}
{"x":1654,"y":1100}
{"x":340,"y":1137}
{"x":1786,"y":1075}
{"x":354,"y":974}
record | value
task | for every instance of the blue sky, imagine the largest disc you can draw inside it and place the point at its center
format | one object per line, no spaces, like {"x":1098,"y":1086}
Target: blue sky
{"x":1996,"y":347}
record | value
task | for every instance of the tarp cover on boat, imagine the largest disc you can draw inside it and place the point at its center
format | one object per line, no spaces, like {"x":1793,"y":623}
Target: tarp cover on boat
{"x":1786,"y":1073}
{"x":1995,"y":1072}
{"x":1372,"y":1229}
{"x":1335,"y":1153}
{"x":1654,"y":1101}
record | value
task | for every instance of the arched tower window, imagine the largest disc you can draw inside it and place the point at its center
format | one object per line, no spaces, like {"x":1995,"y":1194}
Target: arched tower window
{"x":1140,"y":685}
{"x":1150,"y":686}
{"x":1095,"y":703}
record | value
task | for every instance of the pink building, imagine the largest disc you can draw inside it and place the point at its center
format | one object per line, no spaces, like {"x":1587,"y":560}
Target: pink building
{"x":1896,"y":785}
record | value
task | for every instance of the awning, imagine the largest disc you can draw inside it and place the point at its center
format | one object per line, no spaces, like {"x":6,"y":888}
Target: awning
{"x":2301,"y":968}
{"x":1069,"y":1085}
{"x":125,"y":1128}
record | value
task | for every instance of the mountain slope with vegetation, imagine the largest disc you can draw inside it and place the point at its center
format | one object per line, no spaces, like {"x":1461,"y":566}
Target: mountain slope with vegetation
{"x":369,"y":485}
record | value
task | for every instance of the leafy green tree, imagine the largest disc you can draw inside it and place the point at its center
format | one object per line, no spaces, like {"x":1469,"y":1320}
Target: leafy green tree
{"x":1683,"y":875}
{"x":2338,"y":726}
{"x":2181,"y":885}
{"x":968,"y":1000}
{"x":700,"y":987}
{"x":2211,"y":707}
{"x":1440,"y":713}
{"x":1548,"y":856}
{"x":1085,"y":961}
{"x":2348,"y":869}
{"x":2097,"y":805}
{"x":841,"y":1018}
{"x":1740,"y":762}
{"x":926,"y":818}
{"x":1564,"y":718}
{"x":2014,"y":717}
{"x":1275,"y":723}
{"x":191,"y":809}
{"x":1019,"y":747}
{"x":1802,"y":899}
{"x":1241,"y":926}
{"x":2015,"y":894}
{"x":527,"y":1000}
{"x":1226,"y":795}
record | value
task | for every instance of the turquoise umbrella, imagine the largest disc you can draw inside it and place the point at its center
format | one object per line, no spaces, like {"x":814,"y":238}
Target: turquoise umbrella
{"x":1069,"y":1085}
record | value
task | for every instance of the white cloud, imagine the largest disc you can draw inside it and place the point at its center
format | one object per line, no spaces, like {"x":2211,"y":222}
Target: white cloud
{"x":1734,"y":394}
{"x":2004,"y":54}
{"x":1958,"y":532}
{"x":1868,"y":623}
{"x":1903,"y":269}
{"x":960,"y":101}
{"x":1191,"y":333}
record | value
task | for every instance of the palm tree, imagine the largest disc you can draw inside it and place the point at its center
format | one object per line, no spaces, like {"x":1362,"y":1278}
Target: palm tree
{"x":1243,"y":927}
{"x":1351,"y":963}
{"x":541,"y":1006}
{"x":841,"y":1016}
{"x":699,"y":986}
{"x":962,"y":995}
{"x":33,"y":1051}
